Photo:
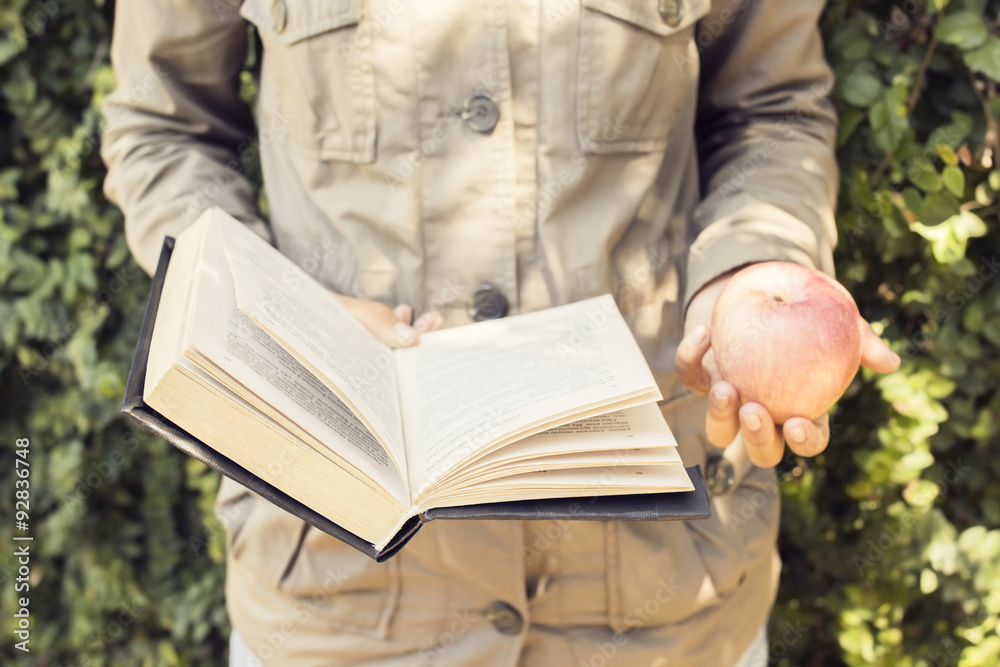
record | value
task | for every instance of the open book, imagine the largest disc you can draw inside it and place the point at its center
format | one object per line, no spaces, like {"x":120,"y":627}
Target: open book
{"x":253,"y":358}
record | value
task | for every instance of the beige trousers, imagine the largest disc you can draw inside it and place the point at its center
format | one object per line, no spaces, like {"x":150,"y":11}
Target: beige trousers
{"x":756,"y":654}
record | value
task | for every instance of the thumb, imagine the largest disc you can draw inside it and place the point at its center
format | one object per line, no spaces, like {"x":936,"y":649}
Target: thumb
{"x":875,"y":354}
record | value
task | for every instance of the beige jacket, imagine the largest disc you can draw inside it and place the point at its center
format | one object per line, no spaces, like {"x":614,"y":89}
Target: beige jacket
{"x":555,"y":149}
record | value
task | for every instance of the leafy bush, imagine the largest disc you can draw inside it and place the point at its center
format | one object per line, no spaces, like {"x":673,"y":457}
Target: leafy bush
{"x":126,"y":564}
{"x":891,"y":539}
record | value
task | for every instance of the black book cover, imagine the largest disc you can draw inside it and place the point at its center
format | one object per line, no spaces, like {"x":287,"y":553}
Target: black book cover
{"x":646,"y":507}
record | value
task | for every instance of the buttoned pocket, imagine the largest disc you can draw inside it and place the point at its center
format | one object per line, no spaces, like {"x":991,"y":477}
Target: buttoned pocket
{"x":658,"y":576}
{"x":347,"y":589}
{"x":317,"y":81}
{"x":667,"y":572}
{"x":663,"y":569}
{"x":266,"y":540}
{"x":637,"y":73}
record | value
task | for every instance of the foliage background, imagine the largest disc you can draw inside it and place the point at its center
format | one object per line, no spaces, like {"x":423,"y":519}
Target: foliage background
{"x":891,"y":539}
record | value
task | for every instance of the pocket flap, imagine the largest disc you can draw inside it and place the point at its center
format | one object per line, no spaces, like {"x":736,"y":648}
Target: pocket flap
{"x":646,"y":13}
{"x":294,"y":20}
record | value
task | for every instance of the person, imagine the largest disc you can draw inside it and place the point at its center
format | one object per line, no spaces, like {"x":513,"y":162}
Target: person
{"x":468,"y":160}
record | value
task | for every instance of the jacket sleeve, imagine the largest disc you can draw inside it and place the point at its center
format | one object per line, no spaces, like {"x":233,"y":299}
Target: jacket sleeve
{"x":175,"y":124}
{"x":766,"y":133}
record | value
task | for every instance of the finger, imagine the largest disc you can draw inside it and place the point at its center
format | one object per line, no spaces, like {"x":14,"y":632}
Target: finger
{"x":404,"y":313}
{"x":381,"y":321}
{"x":402,"y":335}
{"x":875,"y":354}
{"x":392,"y":332}
{"x":807,"y":438}
{"x":429,"y":321}
{"x":765,"y":445}
{"x":384,"y":325}
{"x":722,"y":422}
{"x":689,"y":357}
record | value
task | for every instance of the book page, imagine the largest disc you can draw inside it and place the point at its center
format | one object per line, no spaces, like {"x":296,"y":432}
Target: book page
{"x":572,"y":483}
{"x":315,"y":328}
{"x":251,"y":345}
{"x":641,"y":427}
{"x":213,"y":415}
{"x":654,"y":456}
{"x":221,"y":333}
{"x":467,"y":387}
{"x":175,"y":297}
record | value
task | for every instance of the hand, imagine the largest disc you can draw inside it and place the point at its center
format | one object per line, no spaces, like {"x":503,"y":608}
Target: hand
{"x":765,"y":441}
{"x":392,"y":326}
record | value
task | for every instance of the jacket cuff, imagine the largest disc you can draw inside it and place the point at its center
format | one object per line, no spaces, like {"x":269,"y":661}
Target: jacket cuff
{"x":731,"y":244}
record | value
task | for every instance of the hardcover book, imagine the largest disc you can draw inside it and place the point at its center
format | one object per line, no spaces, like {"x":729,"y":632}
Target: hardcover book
{"x":248,"y":364}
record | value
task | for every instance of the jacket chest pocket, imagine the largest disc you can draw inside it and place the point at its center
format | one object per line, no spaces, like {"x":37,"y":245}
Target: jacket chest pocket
{"x":317,"y":80}
{"x":637,"y":75}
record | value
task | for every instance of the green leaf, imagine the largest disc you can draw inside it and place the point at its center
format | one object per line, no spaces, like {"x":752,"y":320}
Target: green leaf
{"x":971,"y":538}
{"x":942,"y":553}
{"x":984,"y":194}
{"x":932,"y":209}
{"x":947,"y":154}
{"x":964,"y":29}
{"x":922,"y":174}
{"x":888,"y":118}
{"x":29,"y":271}
{"x":928,"y":581}
{"x":861,"y":88}
{"x":991,"y":332}
{"x":954,"y":180}
{"x":952,"y":134}
{"x":969,"y":347}
{"x":948,"y":239}
{"x":857,"y":49}
{"x":921,"y":493}
{"x":917,"y":461}
{"x":985,"y":58}
{"x":10,"y":46}
{"x":938,"y":387}
{"x":974,"y":317}
{"x":849,"y":122}
{"x":8,"y":184}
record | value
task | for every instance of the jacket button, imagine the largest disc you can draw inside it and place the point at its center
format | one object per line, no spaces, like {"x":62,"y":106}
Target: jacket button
{"x":481,"y":113}
{"x":505,"y":618}
{"x":279,"y":15}
{"x":672,"y":12}
{"x":487,"y":303}
{"x":719,"y":475}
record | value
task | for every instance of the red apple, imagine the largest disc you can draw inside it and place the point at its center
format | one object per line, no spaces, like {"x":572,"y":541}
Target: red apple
{"x":787,"y":337}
